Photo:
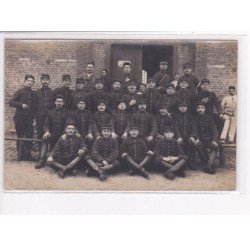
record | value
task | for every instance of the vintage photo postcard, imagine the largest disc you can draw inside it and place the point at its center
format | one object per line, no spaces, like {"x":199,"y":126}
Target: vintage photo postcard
{"x":112,"y":114}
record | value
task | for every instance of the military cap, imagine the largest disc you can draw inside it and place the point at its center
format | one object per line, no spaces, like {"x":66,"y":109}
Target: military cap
{"x":200,"y":104}
{"x":29,"y":76}
{"x":66,"y":77}
{"x":134,"y":127}
{"x":231,"y":87}
{"x":182,"y":104}
{"x":59,"y":96}
{"x":132,"y":83}
{"x":98,"y":80}
{"x":168,"y":129}
{"x":164,"y":62}
{"x":102,"y":101}
{"x":163,"y":107}
{"x":205,"y":80}
{"x":116,"y":81}
{"x":183,"y":79}
{"x":126,"y":63}
{"x":69,"y":122}
{"x":79,"y":80}
{"x":151,"y":79}
{"x":81,"y":99}
{"x":106,"y":126}
{"x":45,"y":76}
{"x":142,"y":101}
{"x":187,"y":65}
{"x":171,"y":85}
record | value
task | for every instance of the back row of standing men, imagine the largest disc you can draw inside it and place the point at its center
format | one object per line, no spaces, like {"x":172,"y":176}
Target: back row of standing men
{"x":183,"y":107}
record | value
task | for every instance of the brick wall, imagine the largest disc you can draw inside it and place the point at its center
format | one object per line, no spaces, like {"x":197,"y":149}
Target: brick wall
{"x":216,"y":61}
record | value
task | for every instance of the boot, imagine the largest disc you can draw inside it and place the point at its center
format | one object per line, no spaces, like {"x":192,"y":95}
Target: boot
{"x":210,"y":169}
{"x":169,"y":175}
{"x":43,"y":152}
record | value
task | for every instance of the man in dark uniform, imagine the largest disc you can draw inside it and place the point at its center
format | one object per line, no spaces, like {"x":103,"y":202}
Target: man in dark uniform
{"x":116,"y":95}
{"x":145,"y":122}
{"x":53,"y":127}
{"x":44,"y":103}
{"x":131,"y":98}
{"x":82,"y":119}
{"x":68,"y":152}
{"x":99,"y":94}
{"x":151,"y":95}
{"x":169,"y":99}
{"x":104,"y":154}
{"x":65,"y":91}
{"x":207,"y":138}
{"x":211,"y":101}
{"x":190,"y":78}
{"x":24,"y":100}
{"x":169,"y":155}
{"x":188,"y":132}
{"x":127,"y":77}
{"x":162,"y":78}
{"x":89,"y":76}
{"x":135,"y":153}
{"x":80,"y":92}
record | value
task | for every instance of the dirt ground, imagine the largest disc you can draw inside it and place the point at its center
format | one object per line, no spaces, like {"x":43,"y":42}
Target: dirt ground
{"x":23,"y":176}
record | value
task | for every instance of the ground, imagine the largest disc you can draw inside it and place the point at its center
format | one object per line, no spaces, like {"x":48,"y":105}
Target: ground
{"x":23,"y":176}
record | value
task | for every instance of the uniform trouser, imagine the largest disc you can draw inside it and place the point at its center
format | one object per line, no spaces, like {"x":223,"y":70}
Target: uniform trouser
{"x":24,"y":129}
{"x":39,"y":125}
{"x":177,"y":166}
{"x":190,"y":150}
{"x":229,"y":128}
{"x":206,"y":157}
{"x":218,"y":122}
{"x":132,"y":164}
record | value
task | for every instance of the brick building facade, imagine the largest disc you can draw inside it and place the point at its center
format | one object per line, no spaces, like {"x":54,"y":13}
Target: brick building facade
{"x":216,"y":60}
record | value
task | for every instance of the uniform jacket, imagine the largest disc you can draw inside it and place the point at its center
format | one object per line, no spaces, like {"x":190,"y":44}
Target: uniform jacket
{"x":164,"y":121}
{"x":185,"y":96}
{"x":145,"y":122}
{"x":162,"y":79}
{"x":75,"y":95}
{"x":105,"y":149}
{"x":44,"y":100}
{"x":55,"y":121}
{"x":65,"y":92}
{"x":124,"y":84}
{"x":193,"y":82}
{"x":210,"y":99}
{"x":185,"y":125}
{"x":151,"y":96}
{"x":121,"y":121}
{"x":206,"y":128}
{"x":136,"y":148}
{"x":24,"y":96}
{"x":115,"y":98}
{"x":127,"y":98}
{"x":89,"y":79}
{"x":96,"y":96}
{"x":100,"y":119}
{"x":68,"y":147}
{"x":165,"y":148}
{"x":83,"y":121}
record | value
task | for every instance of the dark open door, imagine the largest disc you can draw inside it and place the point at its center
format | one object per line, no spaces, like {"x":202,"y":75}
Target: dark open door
{"x":123,"y":52}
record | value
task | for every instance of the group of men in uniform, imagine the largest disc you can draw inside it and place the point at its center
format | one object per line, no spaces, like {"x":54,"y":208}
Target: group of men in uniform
{"x":161,"y":127}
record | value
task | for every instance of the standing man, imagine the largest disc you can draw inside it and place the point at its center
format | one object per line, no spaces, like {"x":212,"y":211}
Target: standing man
{"x":25,"y":104}
{"x":229,"y":107}
{"x":44,"y":102}
{"x":65,"y":91}
{"x":127,"y":77}
{"x":89,"y":76}
{"x":162,"y":78}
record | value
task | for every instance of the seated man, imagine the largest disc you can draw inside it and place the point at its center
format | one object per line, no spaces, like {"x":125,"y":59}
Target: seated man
{"x":169,"y":155}
{"x":135,"y":153}
{"x":207,"y":135}
{"x":68,"y":152}
{"x":104,"y":155}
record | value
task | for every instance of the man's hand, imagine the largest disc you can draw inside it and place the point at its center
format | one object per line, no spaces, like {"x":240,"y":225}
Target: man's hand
{"x":46,"y":135}
{"x":124,"y":136}
{"x":180,"y":140}
{"x":160,"y":136}
{"x":50,"y":159}
{"x":198,"y":142}
{"x":25,"y":106}
{"x":114,"y":135}
{"x":81,"y":152}
{"x":34,"y":123}
{"x":64,"y":137}
{"x":221,"y":116}
{"x":214,"y":144}
{"x":98,"y":137}
{"x":132,"y":102}
{"x":127,"y":79}
{"x":150,"y":138}
{"x":90,"y":136}
{"x":191,"y":139}
{"x":78,"y":134}
{"x":150,"y":152}
{"x":124,"y":155}
{"x":105,"y":163}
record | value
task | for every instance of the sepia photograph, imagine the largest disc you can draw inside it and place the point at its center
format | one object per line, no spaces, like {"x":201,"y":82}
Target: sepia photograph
{"x":112,"y":114}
